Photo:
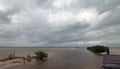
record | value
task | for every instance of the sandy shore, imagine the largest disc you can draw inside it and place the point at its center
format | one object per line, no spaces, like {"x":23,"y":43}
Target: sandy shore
{"x":115,"y":51}
{"x":8,"y":63}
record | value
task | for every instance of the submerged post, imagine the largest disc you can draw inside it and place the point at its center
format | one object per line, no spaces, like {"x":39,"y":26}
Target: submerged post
{"x":107,"y":51}
{"x":23,"y":59}
{"x":14,"y":53}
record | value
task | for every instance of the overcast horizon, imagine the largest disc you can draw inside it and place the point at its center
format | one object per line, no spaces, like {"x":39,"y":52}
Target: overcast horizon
{"x":59,"y":23}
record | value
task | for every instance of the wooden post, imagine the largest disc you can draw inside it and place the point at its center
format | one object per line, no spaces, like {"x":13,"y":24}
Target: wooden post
{"x":108,"y":51}
{"x":14,"y":53}
{"x":23,"y":59}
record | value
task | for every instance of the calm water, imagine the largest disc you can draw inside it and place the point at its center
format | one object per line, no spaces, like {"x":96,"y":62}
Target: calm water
{"x":59,"y":58}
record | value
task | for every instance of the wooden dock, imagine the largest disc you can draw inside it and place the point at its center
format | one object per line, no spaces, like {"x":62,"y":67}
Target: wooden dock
{"x":111,"y":62}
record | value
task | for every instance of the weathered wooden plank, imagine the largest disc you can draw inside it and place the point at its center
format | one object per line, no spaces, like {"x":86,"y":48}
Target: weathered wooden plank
{"x":111,"y":61}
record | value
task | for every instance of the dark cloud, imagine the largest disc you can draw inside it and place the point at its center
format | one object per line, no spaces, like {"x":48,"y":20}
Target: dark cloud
{"x":111,"y":20}
{"x":59,"y":23}
{"x":4,"y":17}
{"x":109,"y":6}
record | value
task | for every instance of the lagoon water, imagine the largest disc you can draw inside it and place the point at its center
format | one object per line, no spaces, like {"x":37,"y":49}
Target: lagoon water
{"x":59,"y":58}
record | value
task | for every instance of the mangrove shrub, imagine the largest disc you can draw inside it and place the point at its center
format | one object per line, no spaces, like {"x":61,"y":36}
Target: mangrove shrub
{"x":97,"y":48}
{"x":41,"y":55}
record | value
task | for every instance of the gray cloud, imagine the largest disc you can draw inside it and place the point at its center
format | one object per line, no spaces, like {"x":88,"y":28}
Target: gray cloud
{"x":59,"y":23}
{"x":111,"y":20}
{"x":4,"y":18}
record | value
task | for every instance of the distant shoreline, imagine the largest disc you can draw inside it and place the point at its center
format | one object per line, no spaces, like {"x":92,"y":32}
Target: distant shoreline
{"x":42,"y":47}
{"x":51,"y":47}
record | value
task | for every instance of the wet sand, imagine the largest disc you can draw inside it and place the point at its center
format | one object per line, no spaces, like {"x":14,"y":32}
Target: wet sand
{"x":9,"y":63}
{"x":115,"y":51}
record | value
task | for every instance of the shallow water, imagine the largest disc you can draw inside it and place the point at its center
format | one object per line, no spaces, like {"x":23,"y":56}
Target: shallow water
{"x":59,"y":58}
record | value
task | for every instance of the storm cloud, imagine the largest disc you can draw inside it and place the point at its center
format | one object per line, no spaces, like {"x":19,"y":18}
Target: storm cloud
{"x":59,"y":23}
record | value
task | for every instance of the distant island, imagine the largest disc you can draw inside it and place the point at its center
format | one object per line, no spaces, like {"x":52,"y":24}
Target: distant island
{"x":97,"y":48}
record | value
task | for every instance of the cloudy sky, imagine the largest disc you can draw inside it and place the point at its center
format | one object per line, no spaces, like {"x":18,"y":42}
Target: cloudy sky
{"x":59,"y":23}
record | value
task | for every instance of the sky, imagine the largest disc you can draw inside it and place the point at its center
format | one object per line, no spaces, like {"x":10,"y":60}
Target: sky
{"x":59,"y":23}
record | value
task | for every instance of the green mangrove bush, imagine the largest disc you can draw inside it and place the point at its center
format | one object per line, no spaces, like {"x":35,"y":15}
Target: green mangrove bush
{"x":41,"y":55}
{"x":97,"y":48}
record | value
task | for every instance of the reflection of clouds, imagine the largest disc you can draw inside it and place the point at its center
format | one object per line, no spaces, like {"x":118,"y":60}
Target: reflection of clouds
{"x":72,"y":49}
{"x":51,"y":54}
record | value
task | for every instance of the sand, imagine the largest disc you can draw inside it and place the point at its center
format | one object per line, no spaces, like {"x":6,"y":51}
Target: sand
{"x":8,"y":63}
{"x":17,"y":61}
{"x":115,"y":51}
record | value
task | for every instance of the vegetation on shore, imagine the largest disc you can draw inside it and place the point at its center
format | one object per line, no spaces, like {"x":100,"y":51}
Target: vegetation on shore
{"x":38,"y":55}
{"x":97,"y":48}
{"x":41,"y":55}
{"x":11,"y":56}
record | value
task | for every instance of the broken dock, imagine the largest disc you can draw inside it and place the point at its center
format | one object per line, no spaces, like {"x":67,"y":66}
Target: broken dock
{"x":111,"y":62}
